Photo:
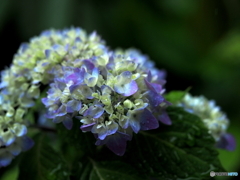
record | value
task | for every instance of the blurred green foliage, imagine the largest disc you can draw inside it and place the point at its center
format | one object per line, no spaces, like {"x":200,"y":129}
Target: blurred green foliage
{"x":197,"y":42}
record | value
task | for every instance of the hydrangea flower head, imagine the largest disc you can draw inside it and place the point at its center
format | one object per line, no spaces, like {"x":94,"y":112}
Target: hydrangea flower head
{"x":214,"y":119}
{"x":113,"y":94}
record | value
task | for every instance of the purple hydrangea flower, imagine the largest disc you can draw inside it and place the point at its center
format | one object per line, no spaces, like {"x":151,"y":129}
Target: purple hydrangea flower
{"x":112,"y":94}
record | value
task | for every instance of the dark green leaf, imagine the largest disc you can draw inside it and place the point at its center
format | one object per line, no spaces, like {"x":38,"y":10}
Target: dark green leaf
{"x":82,"y":142}
{"x":184,"y":150}
{"x":42,"y":163}
{"x":109,"y":170}
{"x":76,"y":146}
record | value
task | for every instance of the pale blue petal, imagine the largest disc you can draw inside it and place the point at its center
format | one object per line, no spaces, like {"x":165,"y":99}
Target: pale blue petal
{"x":68,"y":122}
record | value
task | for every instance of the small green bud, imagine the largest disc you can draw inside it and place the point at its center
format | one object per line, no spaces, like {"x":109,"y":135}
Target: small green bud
{"x":10,"y":112}
{"x":19,"y":114}
{"x":33,"y":91}
{"x":128,"y":104}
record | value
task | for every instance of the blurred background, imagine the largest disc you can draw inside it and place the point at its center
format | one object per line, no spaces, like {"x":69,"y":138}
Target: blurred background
{"x":196,"y":42}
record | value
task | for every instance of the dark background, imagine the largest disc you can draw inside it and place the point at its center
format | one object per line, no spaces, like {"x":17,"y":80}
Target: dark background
{"x":196,"y":41}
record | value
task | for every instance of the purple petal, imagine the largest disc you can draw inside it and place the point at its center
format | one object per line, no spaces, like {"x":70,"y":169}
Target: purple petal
{"x":117,"y":143}
{"x":68,"y":122}
{"x":101,"y":131}
{"x":89,"y":65}
{"x":112,"y":128}
{"x":78,"y":39}
{"x":23,"y":47}
{"x":73,"y":105}
{"x":72,"y":77}
{"x":11,"y":138}
{"x":15,"y":149}
{"x":126,"y":89}
{"x":164,"y":118}
{"x":61,"y":111}
{"x":134,"y":119}
{"x":149,"y":76}
{"x":154,"y":98}
{"x":130,"y":88}
{"x":56,"y":46}
{"x":60,"y":83}
{"x":6,"y":160}
{"x":77,"y":77}
{"x":122,"y":82}
{"x":148,"y":121}
{"x":135,"y":125}
{"x":47,"y":53}
{"x":110,"y":65}
{"x":95,"y":72}
{"x":153,"y":86}
{"x":58,"y":119}
{"x":157,"y":87}
{"x":95,"y":111}
{"x":87,"y":127}
{"x":100,"y":142}
{"x":45,"y":101}
{"x":92,"y":80}
{"x":84,"y":90}
{"x":27,"y":143}
{"x":227,"y":142}
{"x":51,"y":114}
{"x":161,"y":75}
{"x":161,"y":81}
{"x":74,"y":87}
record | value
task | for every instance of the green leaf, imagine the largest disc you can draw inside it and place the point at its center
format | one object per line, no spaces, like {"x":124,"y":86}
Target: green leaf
{"x":109,"y":170}
{"x":175,"y":96}
{"x":184,"y":150}
{"x":76,"y":146}
{"x":82,"y":142}
{"x":10,"y":174}
{"x":83,"y":157}
{"x":42,"y":162}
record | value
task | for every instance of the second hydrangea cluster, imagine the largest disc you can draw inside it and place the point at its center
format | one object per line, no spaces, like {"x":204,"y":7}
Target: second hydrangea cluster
{"x":214,"y":119}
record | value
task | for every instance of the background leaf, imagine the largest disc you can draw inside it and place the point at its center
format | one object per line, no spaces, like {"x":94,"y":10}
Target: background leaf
{"x":42,"y":162}
{"x":109,"y":170}
{"x":175,"y":96}
{"x":83,"y":143}
{"x":76,"y":146}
